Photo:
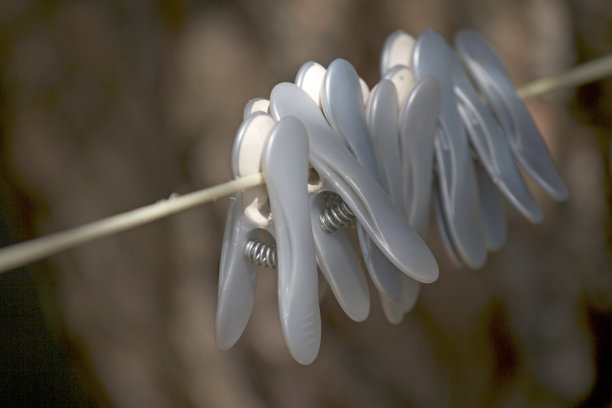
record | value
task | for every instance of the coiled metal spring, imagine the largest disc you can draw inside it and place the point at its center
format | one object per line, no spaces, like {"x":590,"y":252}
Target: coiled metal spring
{"x":260,"y":253}
{"x":332,"y":218}
{"x":336,"y":216}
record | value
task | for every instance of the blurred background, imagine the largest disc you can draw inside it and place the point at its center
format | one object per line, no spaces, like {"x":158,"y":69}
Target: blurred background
{"x":106,"y":106}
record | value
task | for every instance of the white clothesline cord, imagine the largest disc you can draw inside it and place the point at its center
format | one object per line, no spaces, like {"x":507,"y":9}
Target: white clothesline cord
{"x":29,"y":251}
{"x":582,"y":74}
{"x":35,"y":249}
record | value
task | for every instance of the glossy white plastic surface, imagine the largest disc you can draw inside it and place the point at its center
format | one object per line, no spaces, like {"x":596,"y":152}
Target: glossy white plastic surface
{"x":492,"y":147}
{"x":418,"y":123}
{"x":397,"y":50}
{"x":342,"y":100}
{"x":336,"y":258}
{"x":529,"y":148}
{"x":366,"y":198}
{"x":237,"y":278}
{"x":382,"y":114}
{"x":382,"y":117}
{"x":310,"y":79}
{"x":440,"y":218}
{"x":459,"y":194}
{"x":339,"y":263}
{"x":256,"y":105}
{"x":395,"y":310}
{"x":246,"y":159}
{"x":285,"y":168}
{"x":403,"y":80}
{"x":493,"y":211}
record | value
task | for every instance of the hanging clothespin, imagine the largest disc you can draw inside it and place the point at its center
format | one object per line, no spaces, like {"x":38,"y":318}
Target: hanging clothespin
{"x":281,"y":150}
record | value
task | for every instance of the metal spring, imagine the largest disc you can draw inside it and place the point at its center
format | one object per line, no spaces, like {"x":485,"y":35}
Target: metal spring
{"x":332,"y":218}
{"x":260,"y":254}
{"x":336,"y":216}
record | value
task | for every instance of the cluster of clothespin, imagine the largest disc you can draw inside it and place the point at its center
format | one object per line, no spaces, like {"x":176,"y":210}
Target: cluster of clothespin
{"x":444,"y":128}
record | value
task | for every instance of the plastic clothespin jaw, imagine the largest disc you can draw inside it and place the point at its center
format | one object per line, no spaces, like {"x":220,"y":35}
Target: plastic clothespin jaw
{"x":418,"y":123}
{"x":336,"y":257}
{"x":443,"y":229}
{"x":382,"y":111}
{"x":281,"y":150}
{"x":256,"y":105}
{"x":420,"y":105}
{"x":405,"y":156}
{"x":492,"y":148}
{"x":310,"y":78}
{"x":285,"y":167}
{"x":455,"y":169}
{"x":245,"y":222}
{"x":337,"y":260}
{"x":493,"y":211}
{"x":397,"y":50}
{"x":529,"y":148}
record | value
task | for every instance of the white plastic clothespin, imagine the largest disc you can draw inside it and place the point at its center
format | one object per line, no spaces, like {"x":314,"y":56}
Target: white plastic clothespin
{"x":337,"y":260}
{"x":281,"y":151}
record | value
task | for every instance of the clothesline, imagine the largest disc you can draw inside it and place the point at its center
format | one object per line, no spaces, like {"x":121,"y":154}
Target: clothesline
{"x":29,"y":251}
